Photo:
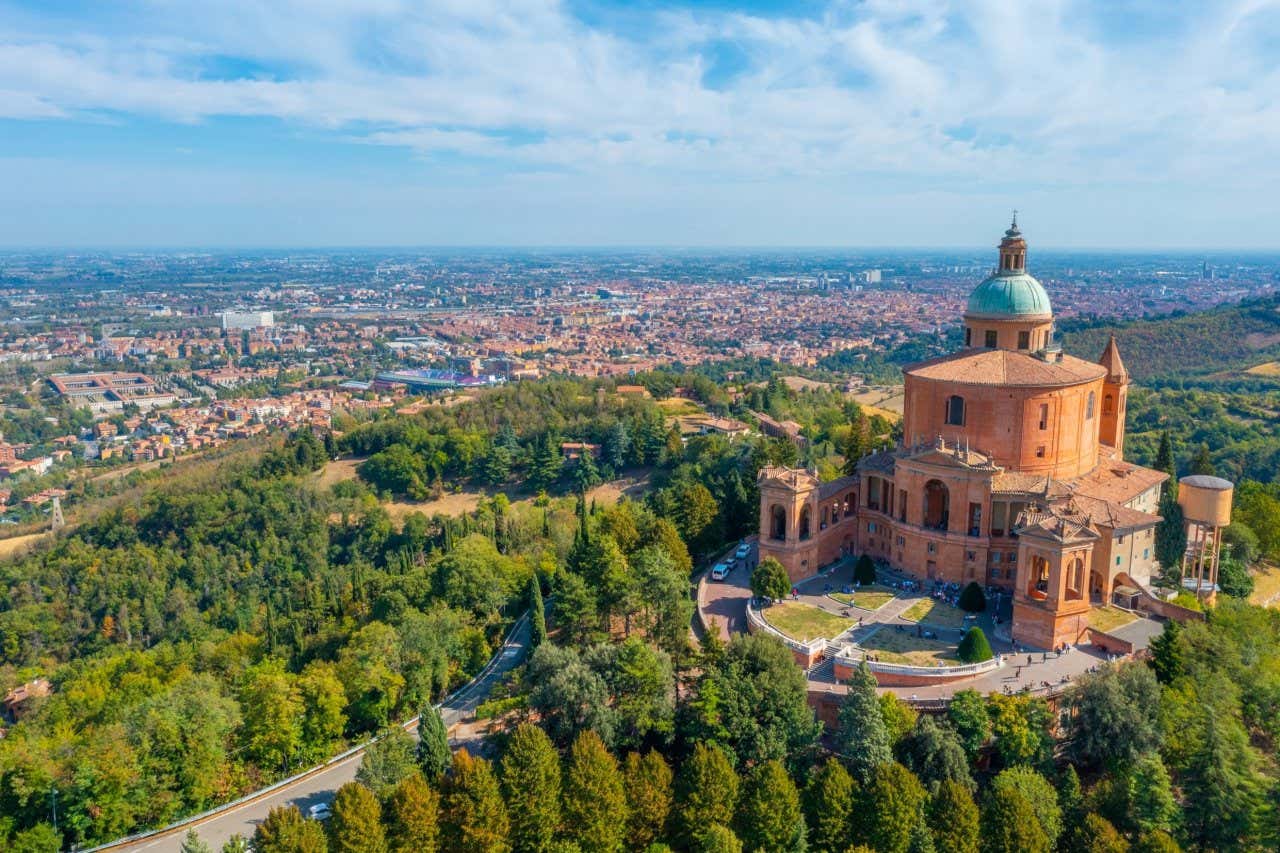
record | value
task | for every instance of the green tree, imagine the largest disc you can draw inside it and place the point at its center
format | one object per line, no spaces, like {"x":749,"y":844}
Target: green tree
{"x":434,"y":755}
{"x":531,"y":788}
{"x":537,"y":614}
{"x":769,"y":817}
{"x":972,"y":598}
{"x":369,"y":668}
{"x":1151,"y":803}
{"x":1116,"y":714}
{"x":1234,"y":578}
{"x":862,"y":735}
{"x":899,"y":717}
{"x":323,"y":708}
{"x":356,"y":824}
{"x":934,"y":754}
{"x":953,"y":818}
{"x":696,"y":511}
{"x":191,"y":843}
{"x":284,"y":830}
{"x":1168,"y":653}
{"x":665,"y":606}
{"x":718,"y":838}
{"x":892,"y":808}
{"x":1164,"y":455}
{"x":41,"y":838}
{"x":828,"y":806}
{"x":413,"y":817}
{"x":1009,"y":824}
{"x":1020,"y":728}
{"x":968,"y":716}
{"x":473,"y":814}
{"x":769,"y":580}
{"x":648,"y":784}
{"x":1038,"y":792}
{"x":1095,"y":834}
{"x":568,"y":695}
{"x":974,"y":647}
{"x":706,"y":793}
{"x":595,"y":806}
{"x":387,"y":761}
{"x":642,"y":682}
{"x":1202,"y":463}
{"x":1155,"y":842}
{"x":1171,"y":534}
{"x":1220,"y":785}
{"x":237,"y":843}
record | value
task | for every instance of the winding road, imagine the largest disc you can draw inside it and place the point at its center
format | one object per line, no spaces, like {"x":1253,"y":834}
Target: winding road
{"x":321,"y":784}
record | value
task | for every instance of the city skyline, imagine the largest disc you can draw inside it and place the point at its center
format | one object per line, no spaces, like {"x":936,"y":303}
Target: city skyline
{"x":1112,"y":126}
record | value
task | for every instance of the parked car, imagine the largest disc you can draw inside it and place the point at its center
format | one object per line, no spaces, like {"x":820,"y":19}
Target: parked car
{"x":720,"y":571}
{"x":320,"y":811}
{"x":744,"y":551}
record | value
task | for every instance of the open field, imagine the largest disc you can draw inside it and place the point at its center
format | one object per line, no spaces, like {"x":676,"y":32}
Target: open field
{"x":675,"y":407}
{"x":805,"y":622}
{"x":893,"y":646}
{"x":16,"y":546}
{"x":1268,"y":368}
{"x":1107,"y":619}
{"x":338,"y":470}
{"x":886,"y":401}
{"x":867,"y":598}
{"x":1266,"y":586}
{"x":930,"y":612}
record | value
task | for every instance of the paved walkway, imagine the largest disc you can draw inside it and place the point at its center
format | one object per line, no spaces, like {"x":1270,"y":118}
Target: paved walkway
{"x":322,"y":785}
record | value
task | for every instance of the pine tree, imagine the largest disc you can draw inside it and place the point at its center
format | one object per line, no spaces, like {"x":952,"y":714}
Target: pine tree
{"x":595,"y":806}
{"x":858,"y":444}
{"x":648,"y":780}
{"x":953,"y":818}
{"x":1220,"y":785}
{"x":1095,"y":834}
{"x":1037,"y":791}
{"x":828,"y":806}
{"x":413,"y":817}
{"x":1009,"y":824}
{"x":718,"y":838}
{"x":537,"y":614}
{"x":1151,"y":803}
{"x":531,"y":788}
{"x":933,"y":752}
{"x":192,"y":843}
{"x":356,"y":824}
{"x":473,"y":815}
{"x":434,"y":755}
{"x":1168,"y":656}
{"x":237,"y":843}
{"x":284,"y":830}
{"x":706,"y":793}
{"x":769,"y":818}
{"x":862,"y":735}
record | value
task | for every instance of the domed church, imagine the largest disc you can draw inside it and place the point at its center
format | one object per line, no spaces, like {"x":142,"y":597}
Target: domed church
{"x":1011,"y":473}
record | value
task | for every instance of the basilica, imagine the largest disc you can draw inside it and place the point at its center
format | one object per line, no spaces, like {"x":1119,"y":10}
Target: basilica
{"x":1011,"y":473}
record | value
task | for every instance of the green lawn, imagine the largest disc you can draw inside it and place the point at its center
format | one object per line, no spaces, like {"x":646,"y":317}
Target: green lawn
{"x":931,"y":612}
{"x":892,"y":646}
{"x":805,"y":622}
{"x":1107,"y":619}
{"x":868,"y":597}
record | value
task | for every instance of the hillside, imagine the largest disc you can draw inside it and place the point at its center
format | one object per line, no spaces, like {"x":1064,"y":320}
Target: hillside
{"x":1228,"y":338}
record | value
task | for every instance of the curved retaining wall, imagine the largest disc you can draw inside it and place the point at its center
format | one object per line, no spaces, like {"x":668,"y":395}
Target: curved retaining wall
{"x":904,"y":675}
{"x":806,"y":654}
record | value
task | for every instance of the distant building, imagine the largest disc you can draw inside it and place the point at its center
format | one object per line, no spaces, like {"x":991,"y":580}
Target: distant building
{"x":237,"y":321}
{"x":107,"y":393}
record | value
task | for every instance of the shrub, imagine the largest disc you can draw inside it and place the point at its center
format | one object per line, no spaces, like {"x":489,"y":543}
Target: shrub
{"x":974,"y":648}
{"x":769,"y":580}
{"x":972,"y":598}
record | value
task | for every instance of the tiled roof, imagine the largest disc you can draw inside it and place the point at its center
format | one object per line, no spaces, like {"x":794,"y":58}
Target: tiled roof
{"x":1118,"y":482}
{"x":1006,"y":367}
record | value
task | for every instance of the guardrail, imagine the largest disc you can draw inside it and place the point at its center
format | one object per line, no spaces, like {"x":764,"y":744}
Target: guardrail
{"x":854,"y":653}
{"x":757,"y":622}
{"x":407,"y":725}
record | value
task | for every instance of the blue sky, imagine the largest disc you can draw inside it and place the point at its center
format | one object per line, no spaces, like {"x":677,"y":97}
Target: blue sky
{"x":1150,"y":123}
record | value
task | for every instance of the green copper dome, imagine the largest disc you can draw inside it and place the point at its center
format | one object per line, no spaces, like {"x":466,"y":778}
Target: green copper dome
{"x":1009,"y":294}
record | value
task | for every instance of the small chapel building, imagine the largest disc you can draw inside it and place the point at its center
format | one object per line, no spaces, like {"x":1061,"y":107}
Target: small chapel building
{"x":1011,"y":473}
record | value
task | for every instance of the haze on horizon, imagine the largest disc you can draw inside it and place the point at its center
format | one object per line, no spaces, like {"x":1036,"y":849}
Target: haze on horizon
{"x":1123,"y":125}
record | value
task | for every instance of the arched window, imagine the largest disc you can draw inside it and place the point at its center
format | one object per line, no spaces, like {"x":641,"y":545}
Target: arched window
{"x":1038,"y":578}
{"x":778,"y":523}
{"x":1108,"y":405}
{"x":804,"y":523}
{"x":1088,"y":407}
{"x":1075,"y":580}
{"x":955,"y":410}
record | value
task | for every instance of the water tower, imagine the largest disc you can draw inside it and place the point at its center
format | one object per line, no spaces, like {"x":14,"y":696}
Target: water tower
{"x":1206,"y":509}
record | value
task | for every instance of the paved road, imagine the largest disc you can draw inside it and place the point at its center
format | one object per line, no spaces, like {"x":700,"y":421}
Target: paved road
{"x":321,"y":786}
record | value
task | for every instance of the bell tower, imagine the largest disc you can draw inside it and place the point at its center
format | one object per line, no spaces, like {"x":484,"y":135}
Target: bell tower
{"x":1115,"y":390}
{"x":1013,"y":249}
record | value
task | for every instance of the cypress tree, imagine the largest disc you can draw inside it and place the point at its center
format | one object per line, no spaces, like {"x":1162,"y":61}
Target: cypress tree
{"x":892,"y":806}
{"x":769,"y":818}
{"x":537,"y":614}
{"x":356,"y":824}
{"x":953,"y":818}
{"x":531,"y":787}
{"x":1037,"y":791}
{"x":862,"y":735}
{"x":473,"y":815}
{"x":706,"y":793}
{"x":1171,"y":536}
{"x":1009,"y":824}
{"x":648,"y":780}
{"x":1164,"y":456}
{"x":413,"y":817}
{"x":595,"y":806}
{"x":434,"y":755}
{"x":1202,"y":463}
{"x":828,"y":806}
